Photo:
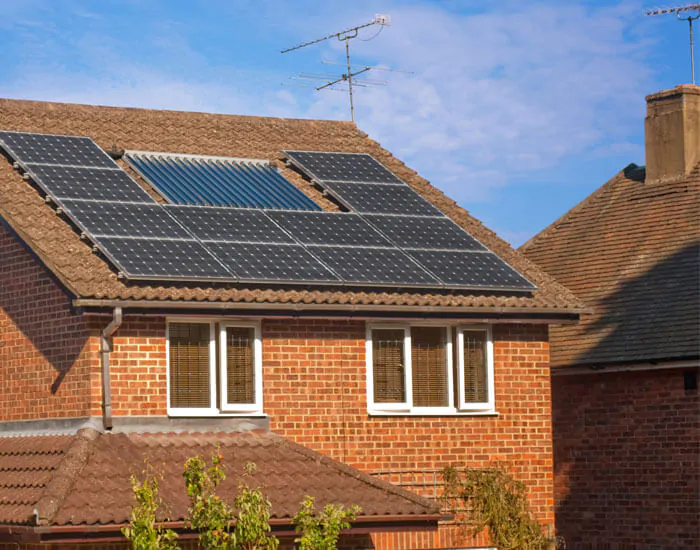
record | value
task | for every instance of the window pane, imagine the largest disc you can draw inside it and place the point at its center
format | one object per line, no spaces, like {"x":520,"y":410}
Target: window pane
{"x":429,"y":366}
{"x":240,"y":370}
{"x":189,"y":365}
{"x":475,"y":368}
{"x":388,"y":366}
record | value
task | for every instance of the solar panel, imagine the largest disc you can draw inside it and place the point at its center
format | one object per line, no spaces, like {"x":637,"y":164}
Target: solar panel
{"x":117,"y":219}
{"x":330,"y":228}
{"x":210,"y":223}
{"x":358,"y":167}
{"x":162,"y":259}
{"x":471,"y":269}
{"x":49,"y":149}
{"x":265,"y":262}
{"x":381,"y":199}
{"x":385,"y":266}
{"x":65,"y":182}
{"x":417,"y":232}
{"x":215,"y":181}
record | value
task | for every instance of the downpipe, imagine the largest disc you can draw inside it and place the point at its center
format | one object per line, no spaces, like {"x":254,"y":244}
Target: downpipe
{"x":105,"y":350}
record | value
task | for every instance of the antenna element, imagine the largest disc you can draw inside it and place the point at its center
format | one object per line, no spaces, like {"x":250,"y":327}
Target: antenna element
{"x":345,"y":36}
{"x":689,"y":18}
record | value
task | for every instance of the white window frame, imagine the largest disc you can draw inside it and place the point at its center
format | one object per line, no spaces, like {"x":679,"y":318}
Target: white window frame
{"x":213,"y":410}
{"x":407,"y":408}
{"x":465,"y":405}
{"x":256,"y":407}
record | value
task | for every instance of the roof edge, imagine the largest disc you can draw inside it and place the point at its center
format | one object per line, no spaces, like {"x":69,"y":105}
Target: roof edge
{"x":34,"y":252}
{"x":554,"y":315}
{"x":535,"y":239}
{"x":59,"y":104}
{"x":64,"y":478}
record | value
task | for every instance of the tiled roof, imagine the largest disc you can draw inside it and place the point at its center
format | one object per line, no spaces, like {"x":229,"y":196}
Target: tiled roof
{"x":85,"y":479}
{"x":631,"y":251}
{"x":88,"y":277}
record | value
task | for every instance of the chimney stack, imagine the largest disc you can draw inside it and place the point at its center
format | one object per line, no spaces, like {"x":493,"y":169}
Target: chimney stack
{"x":672,"y":133}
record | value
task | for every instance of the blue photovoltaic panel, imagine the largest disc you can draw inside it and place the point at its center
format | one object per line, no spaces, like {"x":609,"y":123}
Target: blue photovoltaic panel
{"x":163,"y":259}
{"x":418,"y":232}
{"x":209,"y":223}
{"x":50,"y":149}
{"x":381,"y":199}
{"x":384,"y":266}
{"x":264,"y":262}
{"x":214,"y":181}
{"x":67,"y":182}
{"x":358,"y":167}
{"x":471,"y":269}
{"x":328,"y":228}
{"x":117,"y":219}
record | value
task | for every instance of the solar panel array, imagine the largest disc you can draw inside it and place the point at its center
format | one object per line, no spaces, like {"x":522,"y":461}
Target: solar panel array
{"x":436,"y":246}
{"x":393,"y":238}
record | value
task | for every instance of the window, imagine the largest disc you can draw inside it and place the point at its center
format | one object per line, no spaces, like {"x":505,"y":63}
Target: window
{"x":417,"y":370}
{"x":214,"y":368}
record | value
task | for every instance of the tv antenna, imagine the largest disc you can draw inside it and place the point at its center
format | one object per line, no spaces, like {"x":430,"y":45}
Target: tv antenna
{"x":681,"y":12}
{"x":344,"y":36}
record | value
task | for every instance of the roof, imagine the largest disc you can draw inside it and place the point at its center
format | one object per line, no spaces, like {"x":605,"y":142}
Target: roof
{"x":84,"y":479}
{"x":631,"y":251}
{"x":88,"y":277}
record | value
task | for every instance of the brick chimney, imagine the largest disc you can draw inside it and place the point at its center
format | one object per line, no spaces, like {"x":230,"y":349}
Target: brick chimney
{"x":672,"y":130}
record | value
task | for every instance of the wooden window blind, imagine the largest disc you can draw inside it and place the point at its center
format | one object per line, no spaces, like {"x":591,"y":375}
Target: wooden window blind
{"x":240,"y":366}
{"x":475,"y":367}
{"x":190,"y":382}
{"x":429,"y":367}
{"x":389,"y":366}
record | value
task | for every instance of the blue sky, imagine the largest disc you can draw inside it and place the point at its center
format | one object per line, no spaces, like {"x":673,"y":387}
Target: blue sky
{"x":517,"y":110}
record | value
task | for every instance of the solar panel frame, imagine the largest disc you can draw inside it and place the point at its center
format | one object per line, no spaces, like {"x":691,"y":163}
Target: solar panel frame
{"x":369,"y":266}
{"x":465,"y":270}
{"x":70,"y":182}
{"x":27,"y":154}
{"x":420,"y":232}
{"x":380,"y":198}
{"x":364,"y":164}
{"x":224,"y":224}
{"x":178,"y":253}
{"x":328,"y":228}
{"x":272,"y":263}
{"x":123,"y":219}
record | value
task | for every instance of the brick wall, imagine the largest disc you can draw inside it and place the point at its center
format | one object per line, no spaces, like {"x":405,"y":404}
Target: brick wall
{"x":46,"y":353}
{"x":327,"y":358}
{"x":315,"y":388}
{"x":627,"y":460}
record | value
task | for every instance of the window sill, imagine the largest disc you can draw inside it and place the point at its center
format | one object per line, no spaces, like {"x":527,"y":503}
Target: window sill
{"x":432,"y":413}
{"x":214,"y":414}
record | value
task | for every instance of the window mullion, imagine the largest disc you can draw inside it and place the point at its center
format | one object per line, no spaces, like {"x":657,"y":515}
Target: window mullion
{"x":408,"y":370}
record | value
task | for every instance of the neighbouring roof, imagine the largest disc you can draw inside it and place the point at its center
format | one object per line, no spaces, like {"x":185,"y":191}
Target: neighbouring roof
{"x":631,"y":251}
{"x":88,"y":277}
{"x":85,"y":479}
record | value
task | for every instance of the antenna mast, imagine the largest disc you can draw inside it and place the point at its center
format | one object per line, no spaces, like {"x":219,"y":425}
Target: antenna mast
{"x":689,"y":18}
{"x":345,"y":36}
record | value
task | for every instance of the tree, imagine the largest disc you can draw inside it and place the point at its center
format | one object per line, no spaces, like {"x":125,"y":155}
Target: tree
{"x":143,"y":531}
{"x":323,"y":532}
{"x":243,"y":526}
{"x":495,"y":500}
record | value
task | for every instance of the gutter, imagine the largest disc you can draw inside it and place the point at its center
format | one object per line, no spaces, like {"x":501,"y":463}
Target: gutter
{"x":502,"y":314}
{"x":282,"y":527}
{"x":105,"y":350}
